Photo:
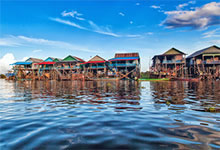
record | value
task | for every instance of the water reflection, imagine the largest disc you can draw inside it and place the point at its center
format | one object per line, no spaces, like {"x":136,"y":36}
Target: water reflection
{"x":109,"y":115}
{"x":123,"y":95}
{"x":201,"y":95}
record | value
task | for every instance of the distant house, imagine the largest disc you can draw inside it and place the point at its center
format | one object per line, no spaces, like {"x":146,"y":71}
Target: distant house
{"x":30,"y":63}
{"x":169,"y":63}
{"x":34,"y":62}
{"x":125,"y":64}
{"x":96,"y":65}
{"x":204,"y":61}
{"x":57,"y":60}
{"x":69,"y":62}
{"x":48,"y":63}
{"x":26,"y":69}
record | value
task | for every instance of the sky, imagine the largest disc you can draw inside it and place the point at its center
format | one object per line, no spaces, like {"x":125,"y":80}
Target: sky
{"x":85,"y":28}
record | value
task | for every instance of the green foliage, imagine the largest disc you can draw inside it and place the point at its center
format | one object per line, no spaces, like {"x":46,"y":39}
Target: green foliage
{"x":2,"y":76}
{"x":145,"y":75}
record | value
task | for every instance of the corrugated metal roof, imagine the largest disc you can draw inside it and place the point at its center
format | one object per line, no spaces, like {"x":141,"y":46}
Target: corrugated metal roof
{"x":81,"y":60}
{"x":72,"y":58}
{"x":47,"y":63}
{"x":123,"y":58}
{"x":202,"y":51}
{"x":22,"y":63}
{"x":34,"y":60}
{"x":57,"y":59}
{"x":96,"y":58}
{"x":126,"y":55}
{"x":173,"y":51}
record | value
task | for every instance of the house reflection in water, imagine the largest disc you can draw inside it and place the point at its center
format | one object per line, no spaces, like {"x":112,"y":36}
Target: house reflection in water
{"x":198,"y":94}
{"x":122,"y":95}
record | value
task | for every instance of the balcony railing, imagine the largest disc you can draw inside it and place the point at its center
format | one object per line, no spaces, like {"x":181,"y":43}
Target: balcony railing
{"x":172,"y":61}
{"x":123,"y":65}
{"x":75,"y":67}
{"x":59,"y":68}
{"x":204,"y":62}
{"x":98,"y":67}
{"x":211,"y":62}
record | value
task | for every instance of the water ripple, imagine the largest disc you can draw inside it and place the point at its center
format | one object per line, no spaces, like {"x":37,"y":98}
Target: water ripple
{"x":109,"y":115}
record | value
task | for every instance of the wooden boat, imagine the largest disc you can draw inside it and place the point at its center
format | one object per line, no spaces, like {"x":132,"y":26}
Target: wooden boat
{"x":159,"y":79}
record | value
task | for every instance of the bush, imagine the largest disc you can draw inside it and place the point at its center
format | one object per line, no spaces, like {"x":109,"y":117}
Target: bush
{"x":2,"y":76}
{"x":145,"y":75}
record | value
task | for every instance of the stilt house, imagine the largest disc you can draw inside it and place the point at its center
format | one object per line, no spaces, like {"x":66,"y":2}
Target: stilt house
{"x":170,"y":63}
{"x":205,"y":62}
{"x":95,"y":67}
{"x":26,"y":69}
{"x":125,"y":65}
{"x":69,"y":62}
{"x":30,"y":63}
{"x":47,"y":64}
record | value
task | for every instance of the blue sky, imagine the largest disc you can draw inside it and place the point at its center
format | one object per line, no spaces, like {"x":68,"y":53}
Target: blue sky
{"x":85,"y":28}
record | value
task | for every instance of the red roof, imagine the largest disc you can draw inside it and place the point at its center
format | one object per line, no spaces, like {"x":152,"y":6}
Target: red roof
{"x":47,"y":63}
{"x":94,"y":62}
{"x":79,"y":59}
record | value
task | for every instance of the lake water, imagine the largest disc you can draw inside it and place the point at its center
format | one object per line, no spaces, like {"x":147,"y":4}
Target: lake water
{"x":103,"y":115}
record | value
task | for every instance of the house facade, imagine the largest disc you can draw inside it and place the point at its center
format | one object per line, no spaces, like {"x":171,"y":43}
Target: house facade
{"x":124,"y":65}
{"x":169,"y":64}
{"x":95,"y":67}
{"x":204,"y":63}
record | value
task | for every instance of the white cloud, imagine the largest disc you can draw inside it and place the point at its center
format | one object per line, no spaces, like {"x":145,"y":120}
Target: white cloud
{"x":155,"y":7}
{"x":67,"y":22}
{"x":149,"y":33}
{"x":200,"y":18}
{"x":8,"y":42}
{"x":94,"y":27}
{"x":80,"y":18}
{"x":25,"y":58}
{"x":73,"y":14}
{"x":33,"y":40}
{"x":24,"y":40}
{"x":121,"y":14}
{"x":192,"y":2}
{"x":5,"y":62}
{"x":101,"y":30}
{"x":37,"y":50}
{"x":180,"y":6}
{"x":212,"y":33}
{"x":59,"y":44}
{"x":215,"y":42}
{"x":132,"y":35}
{"x":91,"y":27}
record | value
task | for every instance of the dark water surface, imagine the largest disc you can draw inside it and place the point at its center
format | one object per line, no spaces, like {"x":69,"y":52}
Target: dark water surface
{"x":103,"y":115}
